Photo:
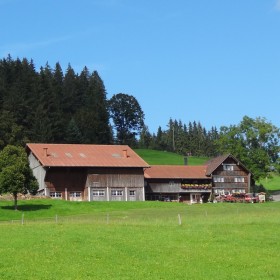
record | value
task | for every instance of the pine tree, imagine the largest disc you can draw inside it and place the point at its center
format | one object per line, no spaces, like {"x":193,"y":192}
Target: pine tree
{"x":93,"y":119}
{"x":70,"y":102}
{"x":48,"y":126}
{"x":73,"y":133}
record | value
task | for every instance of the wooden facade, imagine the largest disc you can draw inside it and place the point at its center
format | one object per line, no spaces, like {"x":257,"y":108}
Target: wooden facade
{"x":115,"y":184}
{"x":193,"y":191}
{"x":230,"y":177}
{"x":221,"y":176}
{"x":177,"y":183}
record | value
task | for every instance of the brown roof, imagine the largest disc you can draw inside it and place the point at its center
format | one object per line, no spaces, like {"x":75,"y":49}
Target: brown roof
{"x":76,"y":155}
{"x":176,"y":172}
{"x":214,"y":163}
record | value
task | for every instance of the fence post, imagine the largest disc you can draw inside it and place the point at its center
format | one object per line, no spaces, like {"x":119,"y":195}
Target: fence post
{"x":56,"y":218}
{"x":179,"y":219}
{"x":22,"y":218}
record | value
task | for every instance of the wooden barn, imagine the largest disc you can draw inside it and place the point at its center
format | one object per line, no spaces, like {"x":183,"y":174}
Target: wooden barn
{"x":223,"y":175}
{"x":88,"y":172}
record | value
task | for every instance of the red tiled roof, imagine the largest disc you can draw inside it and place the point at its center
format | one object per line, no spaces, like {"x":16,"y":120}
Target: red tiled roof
{"x":176,"y":172}
{"x":76,"y":155}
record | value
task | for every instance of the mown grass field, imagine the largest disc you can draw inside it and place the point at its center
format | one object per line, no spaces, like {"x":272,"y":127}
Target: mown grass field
{"x":142,"y":240}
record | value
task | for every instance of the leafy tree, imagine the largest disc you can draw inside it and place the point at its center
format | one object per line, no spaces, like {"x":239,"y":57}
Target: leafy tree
{"x":15,"y":174}
{"x":127,"y":116}
{"x":255,"y":142}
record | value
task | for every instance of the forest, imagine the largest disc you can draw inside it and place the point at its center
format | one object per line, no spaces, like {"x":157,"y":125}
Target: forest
{"x":50,"y":106}
{"x":54,"y":107}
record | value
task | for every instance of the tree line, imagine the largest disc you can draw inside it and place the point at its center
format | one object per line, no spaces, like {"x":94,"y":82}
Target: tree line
{"x":48,"y":106}
{"x":55,"y":107}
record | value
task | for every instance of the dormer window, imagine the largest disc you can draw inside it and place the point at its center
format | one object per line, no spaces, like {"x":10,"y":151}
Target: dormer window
{"x":228,"y":167}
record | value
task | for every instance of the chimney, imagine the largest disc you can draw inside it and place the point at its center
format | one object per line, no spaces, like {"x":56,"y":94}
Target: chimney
{"x":125,"y":154}
{"x":45,"y":153}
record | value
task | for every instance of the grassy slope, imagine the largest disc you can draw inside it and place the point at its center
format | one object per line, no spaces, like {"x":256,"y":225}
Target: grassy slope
{"x":143,"y":241}
{"x":272,"y":184}
{"x":154,"y":157}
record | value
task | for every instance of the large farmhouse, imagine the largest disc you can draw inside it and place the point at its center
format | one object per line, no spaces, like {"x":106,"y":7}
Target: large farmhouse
{"x":88,"y":172}
{"x":117,"y":173}
{"x":221,"y":176}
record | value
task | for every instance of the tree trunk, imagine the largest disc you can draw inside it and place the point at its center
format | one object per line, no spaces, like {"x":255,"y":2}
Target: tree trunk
{"x":15,"y":201}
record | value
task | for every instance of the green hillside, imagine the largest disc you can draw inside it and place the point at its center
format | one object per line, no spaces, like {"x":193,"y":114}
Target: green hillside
{"x":154,"y":157}
{"x":272,"y":183}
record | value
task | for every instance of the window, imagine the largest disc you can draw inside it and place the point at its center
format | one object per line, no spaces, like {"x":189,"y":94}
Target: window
{"x":132,"y":193}
{"x":228,"y":167}
{"x":98,"y":193}
{"x":239,"y":180}
{"x":171,"y":183}
{"x":238,"y":191}
{"x":55,"y":194}
{"x":219,"y":179}
{"x":75,"y":194}
{"x":219,"y":192}
{"x":117,"y":192}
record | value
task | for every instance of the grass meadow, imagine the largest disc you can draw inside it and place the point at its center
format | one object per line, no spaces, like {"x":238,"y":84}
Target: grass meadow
{"x":154,"y":157}
{"x":49,"y":239}
{"x":272,"y":183}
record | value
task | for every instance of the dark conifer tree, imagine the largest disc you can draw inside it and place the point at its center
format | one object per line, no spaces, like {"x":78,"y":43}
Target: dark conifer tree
{"x":73,"y":134}
{"x":145,"y":139}
{"x":94,"y":116}
{"x":70,"y":94}
{"x":48,"y":119}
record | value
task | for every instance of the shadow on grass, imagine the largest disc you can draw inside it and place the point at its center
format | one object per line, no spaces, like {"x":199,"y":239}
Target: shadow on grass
{"x":28,"y":207}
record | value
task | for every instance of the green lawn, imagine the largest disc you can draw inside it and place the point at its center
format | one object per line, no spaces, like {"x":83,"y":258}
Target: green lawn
{"x":154,"y":157}
{"x":142,"y":240}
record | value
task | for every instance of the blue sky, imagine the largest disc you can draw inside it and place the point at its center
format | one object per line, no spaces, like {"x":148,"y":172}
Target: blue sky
{"x":212,"y":61}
